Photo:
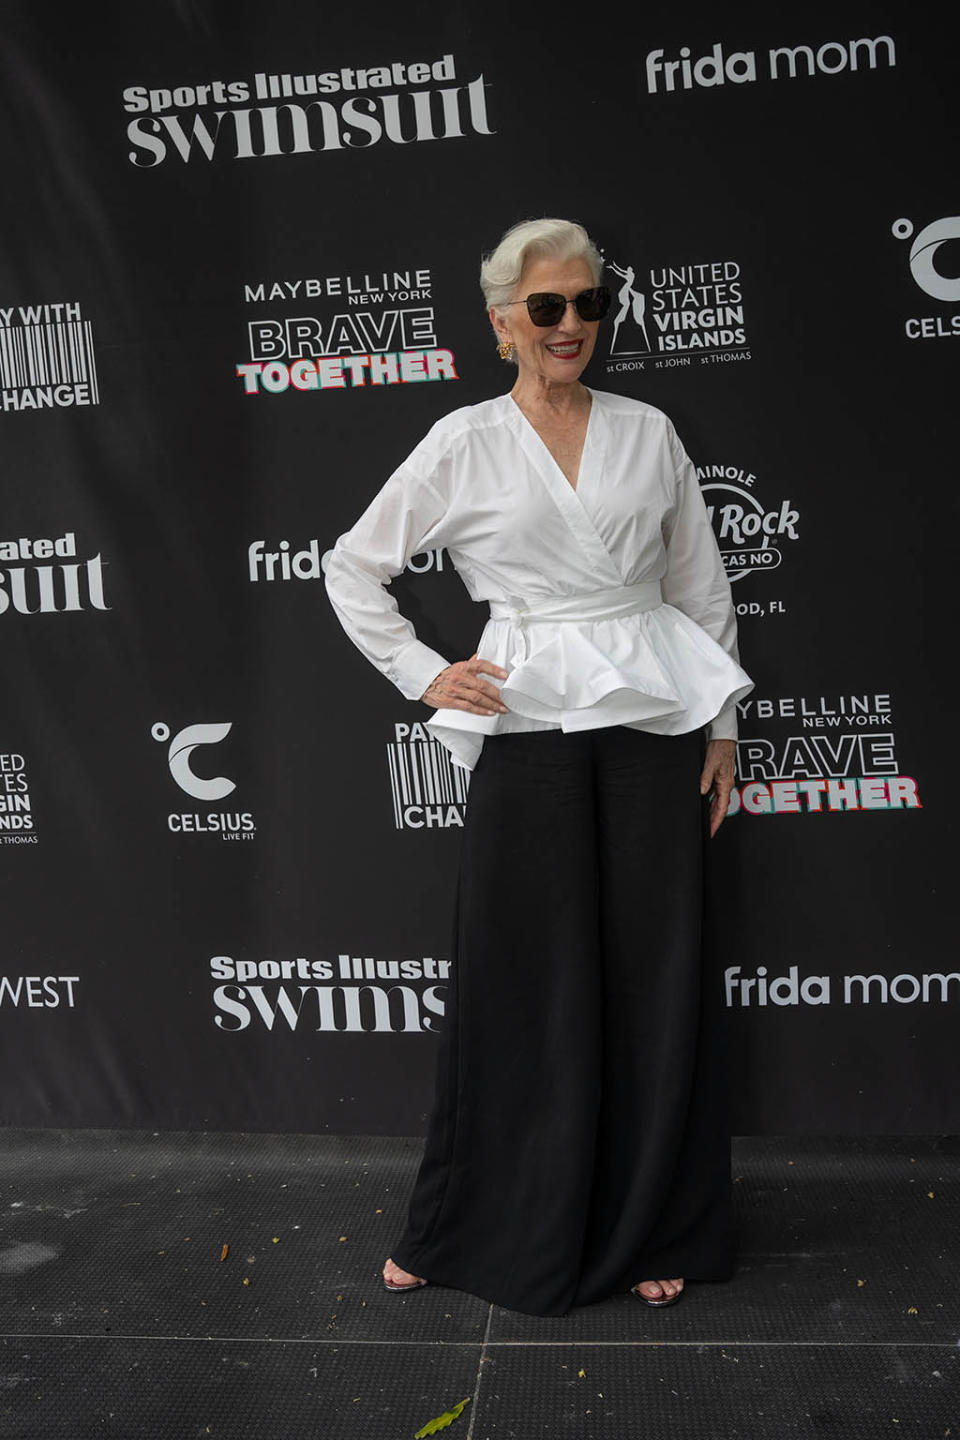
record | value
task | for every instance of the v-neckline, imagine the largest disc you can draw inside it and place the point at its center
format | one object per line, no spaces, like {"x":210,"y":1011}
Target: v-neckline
{"x":568,"y":500}
{"x":587,"y":439}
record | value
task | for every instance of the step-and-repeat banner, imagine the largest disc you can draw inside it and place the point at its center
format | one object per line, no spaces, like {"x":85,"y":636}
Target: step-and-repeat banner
{"x":239,"y":283}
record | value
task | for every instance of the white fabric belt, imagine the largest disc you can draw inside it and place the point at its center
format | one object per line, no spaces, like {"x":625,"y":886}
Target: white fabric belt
{"x":592,"y":604}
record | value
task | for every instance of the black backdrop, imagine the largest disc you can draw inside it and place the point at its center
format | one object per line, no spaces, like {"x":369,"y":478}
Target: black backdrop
{"x":270,"y":951}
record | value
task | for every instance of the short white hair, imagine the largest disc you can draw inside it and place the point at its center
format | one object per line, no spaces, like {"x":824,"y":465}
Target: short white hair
{"x":566,"y":240}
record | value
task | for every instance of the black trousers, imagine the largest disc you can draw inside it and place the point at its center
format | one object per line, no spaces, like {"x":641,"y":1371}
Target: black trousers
{"x":578,"y":1140}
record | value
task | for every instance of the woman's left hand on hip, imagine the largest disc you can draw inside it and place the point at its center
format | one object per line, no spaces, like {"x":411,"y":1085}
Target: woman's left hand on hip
{"x":718,"y":777}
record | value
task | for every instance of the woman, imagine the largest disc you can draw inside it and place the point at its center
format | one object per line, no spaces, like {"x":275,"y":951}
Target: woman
{"x":577,"y":1140}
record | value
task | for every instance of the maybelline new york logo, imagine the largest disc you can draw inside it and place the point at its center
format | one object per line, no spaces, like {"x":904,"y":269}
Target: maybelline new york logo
{"x":375,"y":330}
{"x":930,"y":266}
{"x":676,"y":316}
{"x":404,"y":103}
{"x":180,"y":758}
{"x":784,"y":62}
{"x":46,"y":358}
{"x":837,"y":756}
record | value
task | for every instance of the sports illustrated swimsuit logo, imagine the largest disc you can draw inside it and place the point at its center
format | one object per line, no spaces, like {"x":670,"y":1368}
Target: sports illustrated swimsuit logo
{"x":839,"y":757}
{"x":355,"y":995}
{"x":51,"y":587}
{"x":179,"y":757}
{"x":46,"y":358}
{"x":300,"y":125}
{"x":380,"y":332}
{"x":924,"y":253}
{"x":677,"y":316}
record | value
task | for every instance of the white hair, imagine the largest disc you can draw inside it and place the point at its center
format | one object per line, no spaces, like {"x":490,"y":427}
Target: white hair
{"x":566,"y":240}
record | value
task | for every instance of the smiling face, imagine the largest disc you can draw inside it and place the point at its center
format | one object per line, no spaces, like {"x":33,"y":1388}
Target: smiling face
{"x":554,"y":354}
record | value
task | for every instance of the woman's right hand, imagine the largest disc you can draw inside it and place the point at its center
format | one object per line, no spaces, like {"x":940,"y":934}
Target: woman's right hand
{"x":460,"y":687}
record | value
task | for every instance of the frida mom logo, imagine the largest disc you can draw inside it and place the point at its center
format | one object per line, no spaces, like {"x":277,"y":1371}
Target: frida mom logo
{"x":786,"y":62}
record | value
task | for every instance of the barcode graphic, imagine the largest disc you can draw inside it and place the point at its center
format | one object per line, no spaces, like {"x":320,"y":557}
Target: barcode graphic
{"x":422,"y":772}
{"x":60,"y":353}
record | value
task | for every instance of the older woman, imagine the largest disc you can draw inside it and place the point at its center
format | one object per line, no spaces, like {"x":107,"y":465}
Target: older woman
{"x":577,"y":1141}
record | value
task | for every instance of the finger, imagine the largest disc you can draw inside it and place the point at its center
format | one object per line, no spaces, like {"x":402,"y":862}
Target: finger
{"x":469,"y":695}
{"x":473,"y":683}
{"x":455,"y":702}
{"x":489,"y":668}
{"x":718,"y":811}
{"x":486,"y":696}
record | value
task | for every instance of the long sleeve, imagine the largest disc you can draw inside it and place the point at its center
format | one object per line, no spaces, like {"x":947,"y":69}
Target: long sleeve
{"x":404,"y":518}
{"x":695,"y":580}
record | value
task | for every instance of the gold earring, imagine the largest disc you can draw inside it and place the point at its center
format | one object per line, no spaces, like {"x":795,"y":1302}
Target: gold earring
{"x":505,"y":349}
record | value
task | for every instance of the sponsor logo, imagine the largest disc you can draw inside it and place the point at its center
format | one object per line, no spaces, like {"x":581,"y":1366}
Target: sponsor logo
{"x":677,"y":316}
{"x":16,"y":812}
{"x":925,"y":262}
{"x":352,"y":995}
{"x":428,"y":790}
{"x":403,"y":103}
{"x":751,"y":534}
{"x":760,"y":989}
{"x":46,"y":358}
{"x":236,"y":825}
{"x":785,"y":62}
{"x":828,"y":754}
{"x":373,"y":330}
{"x":54,"y":583}
{"x":37,"y":992}
{"x":280,"y":563}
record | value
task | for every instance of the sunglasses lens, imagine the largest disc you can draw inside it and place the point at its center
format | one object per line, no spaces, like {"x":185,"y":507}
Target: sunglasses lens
{"x":593,"y":304}
{"x":545,"y":309}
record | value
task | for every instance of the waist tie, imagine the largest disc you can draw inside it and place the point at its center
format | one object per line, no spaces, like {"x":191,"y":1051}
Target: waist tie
{"x":589,"y":605}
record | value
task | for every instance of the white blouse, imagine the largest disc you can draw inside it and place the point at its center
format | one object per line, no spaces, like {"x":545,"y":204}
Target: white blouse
{"x":609,"y":603}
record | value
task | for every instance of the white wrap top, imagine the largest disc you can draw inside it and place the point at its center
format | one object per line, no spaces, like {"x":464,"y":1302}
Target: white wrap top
{"x":609,"y":603}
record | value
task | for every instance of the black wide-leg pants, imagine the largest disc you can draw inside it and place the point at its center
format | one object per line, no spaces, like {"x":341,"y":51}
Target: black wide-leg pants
{"x":578,"y":1140}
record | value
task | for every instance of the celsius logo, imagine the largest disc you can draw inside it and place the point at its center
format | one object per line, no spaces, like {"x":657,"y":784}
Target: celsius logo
{"x":923,"y":253}
{"x":239,"y":825}
{"x":182,"y":747}
{"x":932,"y":281}
{"x":747,"y":531}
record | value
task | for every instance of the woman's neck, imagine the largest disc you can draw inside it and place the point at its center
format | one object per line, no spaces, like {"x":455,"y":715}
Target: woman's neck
{"x":549,"y":398}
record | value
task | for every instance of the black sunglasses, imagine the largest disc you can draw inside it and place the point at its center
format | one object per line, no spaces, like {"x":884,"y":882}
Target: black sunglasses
{"x":546,"y":308}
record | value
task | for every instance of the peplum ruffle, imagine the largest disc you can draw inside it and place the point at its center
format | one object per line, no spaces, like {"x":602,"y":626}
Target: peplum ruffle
{"x":651,"y":668}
